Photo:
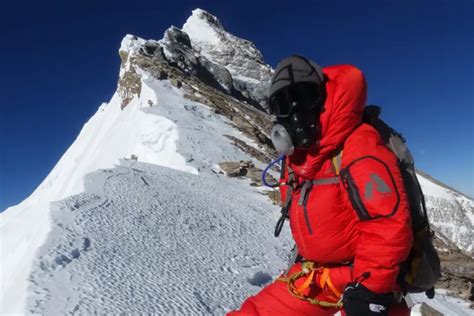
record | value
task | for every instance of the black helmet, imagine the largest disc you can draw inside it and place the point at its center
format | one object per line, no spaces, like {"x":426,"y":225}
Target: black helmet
{"x":297,"y":82}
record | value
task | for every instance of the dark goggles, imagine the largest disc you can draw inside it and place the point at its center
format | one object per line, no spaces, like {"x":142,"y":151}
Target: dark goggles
{"x":302,"y":96}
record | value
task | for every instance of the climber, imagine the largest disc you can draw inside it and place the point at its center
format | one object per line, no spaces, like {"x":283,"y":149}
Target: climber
{"x":345,"y":197}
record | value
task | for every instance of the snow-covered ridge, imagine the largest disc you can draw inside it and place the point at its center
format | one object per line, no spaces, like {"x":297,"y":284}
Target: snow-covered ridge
{"x":109,"y":135}
{"x":131,"y":44}
{"x":450,"y":213}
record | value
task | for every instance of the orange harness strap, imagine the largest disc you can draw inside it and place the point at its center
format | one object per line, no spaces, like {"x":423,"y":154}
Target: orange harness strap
{"x":308,"y":270}
{"x":300,"y":289}
{"x":325,"y":279}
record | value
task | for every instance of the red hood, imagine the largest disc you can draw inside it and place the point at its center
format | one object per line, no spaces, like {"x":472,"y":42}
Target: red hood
{"x":346,"y":97}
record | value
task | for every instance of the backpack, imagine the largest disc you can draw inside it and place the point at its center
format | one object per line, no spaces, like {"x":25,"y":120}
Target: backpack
{"x":421,"y":269}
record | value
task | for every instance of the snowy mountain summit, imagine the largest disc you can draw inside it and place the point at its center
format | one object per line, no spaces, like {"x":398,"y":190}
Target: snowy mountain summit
{"x":140,"y":215}
{"x":204,"y":49}
{"x":241,"y":58}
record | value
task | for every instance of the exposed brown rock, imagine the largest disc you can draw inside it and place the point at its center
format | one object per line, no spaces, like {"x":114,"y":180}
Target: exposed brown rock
{"x":274,"y":195}
{"x":129,"y":85}
{"x":123,"y":57}
{"x":231,"y":168}
{"x":260,"y":155}
{"x":253,"y":123}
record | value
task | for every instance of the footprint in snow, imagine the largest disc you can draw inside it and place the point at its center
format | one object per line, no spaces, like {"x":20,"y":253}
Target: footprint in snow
{"x":260,"y":279}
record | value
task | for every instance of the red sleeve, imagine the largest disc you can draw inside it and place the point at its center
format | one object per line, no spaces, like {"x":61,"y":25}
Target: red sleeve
{"x":376,"y":193}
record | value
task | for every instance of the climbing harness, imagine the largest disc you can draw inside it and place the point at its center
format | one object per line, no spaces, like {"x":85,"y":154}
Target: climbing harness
{"x":309,"y":269}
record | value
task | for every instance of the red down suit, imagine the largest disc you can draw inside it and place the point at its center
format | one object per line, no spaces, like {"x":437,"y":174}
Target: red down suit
{"x":353,"y":221}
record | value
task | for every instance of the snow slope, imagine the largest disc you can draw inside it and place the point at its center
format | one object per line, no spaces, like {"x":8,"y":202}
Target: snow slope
{"x":127,"y":245}
{"x":450,"y":213}
{"x":109,"y":135}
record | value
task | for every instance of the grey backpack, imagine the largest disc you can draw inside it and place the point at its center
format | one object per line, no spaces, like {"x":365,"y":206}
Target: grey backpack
{"x":422,"y":269}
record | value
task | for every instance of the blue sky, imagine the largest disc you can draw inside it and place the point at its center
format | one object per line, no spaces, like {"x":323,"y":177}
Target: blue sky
{"x":60,"y":62}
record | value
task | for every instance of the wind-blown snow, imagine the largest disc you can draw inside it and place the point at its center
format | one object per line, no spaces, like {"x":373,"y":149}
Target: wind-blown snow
{"x":432,"y":189}
{"x":144,"y":239}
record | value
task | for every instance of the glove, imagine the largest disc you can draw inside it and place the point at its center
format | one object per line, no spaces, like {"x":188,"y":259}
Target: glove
{"x":359,"y":300}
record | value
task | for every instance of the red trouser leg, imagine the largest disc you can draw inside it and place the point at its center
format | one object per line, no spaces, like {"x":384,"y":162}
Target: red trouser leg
{"x":276,"y":300}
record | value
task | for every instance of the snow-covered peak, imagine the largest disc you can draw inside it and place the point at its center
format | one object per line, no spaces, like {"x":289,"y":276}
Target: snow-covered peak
{"x":202,"y":26}
{"x":131,"y":44}
{"x":239,"y":56}
{"x":208,"y":35}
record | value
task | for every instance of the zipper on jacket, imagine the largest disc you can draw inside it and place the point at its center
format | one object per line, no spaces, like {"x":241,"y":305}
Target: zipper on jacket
{"x":303,"y":201}
{"x":354,"y":195}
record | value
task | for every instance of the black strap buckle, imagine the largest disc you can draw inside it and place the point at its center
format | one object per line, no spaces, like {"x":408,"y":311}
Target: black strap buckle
{"x":281,"y":221}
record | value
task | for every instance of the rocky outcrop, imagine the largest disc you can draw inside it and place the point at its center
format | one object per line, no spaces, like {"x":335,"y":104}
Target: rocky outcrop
{"x":232,"y":168}
{"x":129,"y":83}
{"x":202,"y":49}
{"x":129,"y":86}
{"x":457,"y":270}
{"x":245,"y":169}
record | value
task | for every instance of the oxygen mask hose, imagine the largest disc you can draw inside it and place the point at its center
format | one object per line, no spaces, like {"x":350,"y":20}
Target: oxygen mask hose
{"x":264,"y":173}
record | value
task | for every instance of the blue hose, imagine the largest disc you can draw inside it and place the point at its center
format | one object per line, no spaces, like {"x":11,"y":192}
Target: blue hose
{"x":264,"y":173}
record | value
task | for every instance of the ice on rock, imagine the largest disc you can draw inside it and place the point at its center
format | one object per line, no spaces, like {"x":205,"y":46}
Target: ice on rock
{"x":131,"y":44}
{"x":203,"y":27}
{"x":239,"y":56}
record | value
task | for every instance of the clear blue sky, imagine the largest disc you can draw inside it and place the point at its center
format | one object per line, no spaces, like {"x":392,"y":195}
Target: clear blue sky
{"x":60,"y":61}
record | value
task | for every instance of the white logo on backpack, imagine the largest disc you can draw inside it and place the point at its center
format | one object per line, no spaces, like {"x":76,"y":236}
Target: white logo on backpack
{"x":376,"y":308}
